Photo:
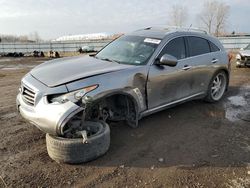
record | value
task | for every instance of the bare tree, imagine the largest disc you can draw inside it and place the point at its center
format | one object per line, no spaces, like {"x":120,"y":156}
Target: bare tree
{"x":207,"y":15}
{"x":221,"y":18}
{"x":37,"y":36}
{"x":178,"y":15}
{"x":214,"y":16}
{"x":14,"y":38}
{"x":34,"y":36}
{"x":23,"y":38}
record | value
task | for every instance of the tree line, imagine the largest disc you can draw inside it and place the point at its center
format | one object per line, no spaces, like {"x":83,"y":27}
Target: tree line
{"x":32,"y":37}
{"x":213,"y":16}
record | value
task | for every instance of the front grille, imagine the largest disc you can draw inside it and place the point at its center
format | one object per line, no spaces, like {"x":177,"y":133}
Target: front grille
{"x":28,"y":95}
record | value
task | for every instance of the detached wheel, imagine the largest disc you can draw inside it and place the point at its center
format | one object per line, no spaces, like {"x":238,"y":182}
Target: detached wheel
{"x":217,"y":87}
{"x":68,"y":150}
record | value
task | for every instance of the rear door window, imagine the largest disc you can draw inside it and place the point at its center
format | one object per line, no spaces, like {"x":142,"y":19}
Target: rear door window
{"x":198,"y":46}
{"x":176,"y":48}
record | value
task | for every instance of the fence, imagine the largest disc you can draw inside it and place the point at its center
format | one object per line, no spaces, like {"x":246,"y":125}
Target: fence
{"x":236,"y":42}
{"x":228,"y":42}
{"x":54,"y":46}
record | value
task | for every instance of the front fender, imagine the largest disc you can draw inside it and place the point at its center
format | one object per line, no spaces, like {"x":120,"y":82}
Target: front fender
{"x":134,"y":93}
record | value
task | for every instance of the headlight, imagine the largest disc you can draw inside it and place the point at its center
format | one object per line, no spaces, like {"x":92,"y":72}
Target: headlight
{"x":73,"y":96}
{"x":238,"y":56}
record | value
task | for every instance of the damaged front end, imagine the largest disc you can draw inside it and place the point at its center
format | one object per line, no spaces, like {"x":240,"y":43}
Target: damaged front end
{"x":73,"y":124}
{"x":49,"y":118}
{"x":51,"y":113}
{"x":242,"y":59}
{"x":61,"y":113}
{"x":116,"y":107}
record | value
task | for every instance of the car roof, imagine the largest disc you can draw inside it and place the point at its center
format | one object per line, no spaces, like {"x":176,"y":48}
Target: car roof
{"x":161,"y":32}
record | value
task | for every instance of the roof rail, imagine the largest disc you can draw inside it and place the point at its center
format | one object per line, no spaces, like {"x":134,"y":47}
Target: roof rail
{"x":177,"y":28}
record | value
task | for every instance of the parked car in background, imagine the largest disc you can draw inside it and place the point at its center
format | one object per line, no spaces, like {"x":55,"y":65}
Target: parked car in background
{"x":86,"y":49}
{"x":243,"y":57}
{"x":53,"y":54}
{"x":12,"y":54}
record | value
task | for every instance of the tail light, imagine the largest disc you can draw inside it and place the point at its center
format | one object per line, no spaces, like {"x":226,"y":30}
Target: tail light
{"x":230,"y":57}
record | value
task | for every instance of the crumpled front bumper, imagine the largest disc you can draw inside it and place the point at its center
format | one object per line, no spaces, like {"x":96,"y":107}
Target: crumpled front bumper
{"x":240,"y":63}
{"x":245,"y":62}
{"x":48,"y":117}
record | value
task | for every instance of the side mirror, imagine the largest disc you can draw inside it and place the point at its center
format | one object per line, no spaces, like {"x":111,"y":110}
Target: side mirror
{"x":168,"y":60}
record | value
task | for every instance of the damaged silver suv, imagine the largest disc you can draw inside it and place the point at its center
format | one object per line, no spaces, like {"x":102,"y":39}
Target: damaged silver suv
{"x":135,"y":75}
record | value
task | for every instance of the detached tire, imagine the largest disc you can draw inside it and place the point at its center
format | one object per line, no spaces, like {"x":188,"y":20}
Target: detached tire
{"x":74,"y":151}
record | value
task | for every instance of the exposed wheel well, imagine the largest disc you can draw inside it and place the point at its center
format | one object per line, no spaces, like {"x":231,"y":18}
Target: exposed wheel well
{"x":115,"y":107}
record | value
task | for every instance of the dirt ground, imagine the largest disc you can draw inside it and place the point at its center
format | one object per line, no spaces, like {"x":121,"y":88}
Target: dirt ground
{"x":195,"y":144}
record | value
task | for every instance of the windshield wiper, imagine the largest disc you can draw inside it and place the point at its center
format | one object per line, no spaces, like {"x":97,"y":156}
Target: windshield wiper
{"x":110,"y":60}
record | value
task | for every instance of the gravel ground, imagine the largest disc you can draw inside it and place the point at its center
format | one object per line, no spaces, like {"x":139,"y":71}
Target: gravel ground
{"x":195,"y":144}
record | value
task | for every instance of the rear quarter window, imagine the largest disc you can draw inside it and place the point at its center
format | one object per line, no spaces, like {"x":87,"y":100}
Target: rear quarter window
{"x":213,"y":47}
{"x":198,"y":46}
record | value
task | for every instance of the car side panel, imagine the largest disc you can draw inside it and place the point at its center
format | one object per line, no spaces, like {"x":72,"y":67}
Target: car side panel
{"x":204,"y":67}
{"x":130,"y":81}
{"x":201,"y":72}
{"x":167,"y":84}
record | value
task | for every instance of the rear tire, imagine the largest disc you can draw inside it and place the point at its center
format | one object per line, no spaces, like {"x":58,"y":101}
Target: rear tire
{"x":217,"y":87}
{"x":68,"y":150}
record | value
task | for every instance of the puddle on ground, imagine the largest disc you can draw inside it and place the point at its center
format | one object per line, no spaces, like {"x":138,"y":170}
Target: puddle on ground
{"x":238,"y":100}
{"x":244,"y":116}
{"x":231,"y":114}
{"x":237,"y":107}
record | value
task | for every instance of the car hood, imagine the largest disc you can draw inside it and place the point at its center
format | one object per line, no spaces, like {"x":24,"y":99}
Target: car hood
{"x":61,"y":71}
{"x":245,"y":52}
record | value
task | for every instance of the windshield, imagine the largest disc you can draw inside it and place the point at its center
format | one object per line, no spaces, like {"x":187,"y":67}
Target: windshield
{"x":248,"y":47}
{"x":134,"y":50}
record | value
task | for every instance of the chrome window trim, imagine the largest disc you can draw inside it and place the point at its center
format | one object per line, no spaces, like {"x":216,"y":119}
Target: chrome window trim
{"x":183,"y":35}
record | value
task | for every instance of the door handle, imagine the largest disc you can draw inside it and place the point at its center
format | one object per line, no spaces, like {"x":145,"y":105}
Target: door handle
{"x":186,"y":67}
{"x":214,"y":60}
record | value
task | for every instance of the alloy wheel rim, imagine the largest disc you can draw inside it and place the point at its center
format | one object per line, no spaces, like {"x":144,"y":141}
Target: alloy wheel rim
{"x":218,"y":86}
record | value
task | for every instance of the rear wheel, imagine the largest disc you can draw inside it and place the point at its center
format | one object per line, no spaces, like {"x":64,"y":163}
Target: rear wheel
{"x":217,"y":87}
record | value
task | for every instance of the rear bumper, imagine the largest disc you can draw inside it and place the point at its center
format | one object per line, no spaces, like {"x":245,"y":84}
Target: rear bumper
{"x":50,"y":118}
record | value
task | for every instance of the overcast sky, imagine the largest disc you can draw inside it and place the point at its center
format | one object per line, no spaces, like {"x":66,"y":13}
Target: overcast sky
{"x":54,"y":18}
